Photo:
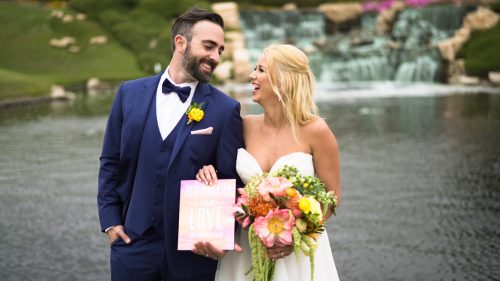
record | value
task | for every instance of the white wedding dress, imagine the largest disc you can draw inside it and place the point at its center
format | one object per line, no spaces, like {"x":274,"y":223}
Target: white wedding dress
{"x":234,"y":266}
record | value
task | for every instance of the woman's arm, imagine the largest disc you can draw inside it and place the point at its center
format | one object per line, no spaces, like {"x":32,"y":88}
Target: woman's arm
{"x":325,"y":153}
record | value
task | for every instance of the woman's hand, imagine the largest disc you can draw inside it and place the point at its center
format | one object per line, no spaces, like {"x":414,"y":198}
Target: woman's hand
{"x":279,"y":252}
{"x":209,"y":250}
{"x":207,"y":174}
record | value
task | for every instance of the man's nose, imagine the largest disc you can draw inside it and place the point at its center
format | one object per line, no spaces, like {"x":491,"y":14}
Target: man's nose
{"x":215,"y":56}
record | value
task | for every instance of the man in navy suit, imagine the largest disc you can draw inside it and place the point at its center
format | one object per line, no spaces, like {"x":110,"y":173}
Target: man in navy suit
{"x":150,"y":145}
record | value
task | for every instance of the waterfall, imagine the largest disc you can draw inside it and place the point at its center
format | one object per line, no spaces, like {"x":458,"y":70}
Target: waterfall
{"x":266,"y":27}
{"x":407,"y":54}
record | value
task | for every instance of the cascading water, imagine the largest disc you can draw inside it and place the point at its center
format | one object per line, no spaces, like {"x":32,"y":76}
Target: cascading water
{"x":408,"y":53}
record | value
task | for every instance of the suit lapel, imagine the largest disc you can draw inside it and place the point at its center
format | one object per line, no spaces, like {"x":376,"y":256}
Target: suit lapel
{"x":141,"y":102}
{"x":200,"y":95}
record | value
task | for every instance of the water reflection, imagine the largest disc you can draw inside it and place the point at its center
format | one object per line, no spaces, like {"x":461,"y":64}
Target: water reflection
{"x":420,"y":175}
{"x":421,"y":179}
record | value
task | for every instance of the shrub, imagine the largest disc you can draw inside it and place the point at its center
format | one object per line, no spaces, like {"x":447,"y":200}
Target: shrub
{"x":481,"y":52}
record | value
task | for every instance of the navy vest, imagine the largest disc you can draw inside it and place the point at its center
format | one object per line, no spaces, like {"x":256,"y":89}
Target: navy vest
{"x":147,"y":201}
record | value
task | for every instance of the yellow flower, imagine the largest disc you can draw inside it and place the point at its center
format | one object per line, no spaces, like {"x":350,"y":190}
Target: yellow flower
{"x":291,"y":192}
{"x":309,"y":204}
{"x":305,"y":205}
{"x":195,"y":113}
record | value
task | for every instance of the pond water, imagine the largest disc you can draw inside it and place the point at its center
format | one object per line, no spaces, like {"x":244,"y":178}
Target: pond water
{"x":420,"y":178}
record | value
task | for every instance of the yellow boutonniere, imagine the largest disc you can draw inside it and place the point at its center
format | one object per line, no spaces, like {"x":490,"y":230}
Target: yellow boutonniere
{"x":195,"y":113}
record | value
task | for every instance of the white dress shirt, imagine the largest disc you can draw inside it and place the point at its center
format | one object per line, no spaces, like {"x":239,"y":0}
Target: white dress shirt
{"x":169,"y":108}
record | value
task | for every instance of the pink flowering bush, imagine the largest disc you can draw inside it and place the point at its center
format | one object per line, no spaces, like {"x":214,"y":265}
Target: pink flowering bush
{"x":379,"y":6}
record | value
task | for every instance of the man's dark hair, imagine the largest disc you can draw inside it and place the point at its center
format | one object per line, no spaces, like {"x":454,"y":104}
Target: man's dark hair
{"x":184,"y":23}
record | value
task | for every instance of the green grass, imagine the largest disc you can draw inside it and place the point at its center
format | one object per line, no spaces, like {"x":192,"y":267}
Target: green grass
{"x":28,"y":65}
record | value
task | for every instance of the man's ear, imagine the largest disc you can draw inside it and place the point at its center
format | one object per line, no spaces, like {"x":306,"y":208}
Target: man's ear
{"x":180,"y":43}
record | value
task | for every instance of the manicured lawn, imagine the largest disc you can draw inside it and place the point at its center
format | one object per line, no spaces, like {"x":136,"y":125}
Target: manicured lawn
{"x":28,"y":65}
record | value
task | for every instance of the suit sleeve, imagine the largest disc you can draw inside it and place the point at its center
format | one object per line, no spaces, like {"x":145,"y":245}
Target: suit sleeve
{"x":231,"y":140}
{"x":109,"y":203}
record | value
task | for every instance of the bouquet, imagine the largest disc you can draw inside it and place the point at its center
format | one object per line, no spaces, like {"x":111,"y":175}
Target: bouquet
{"x":283,"y":208}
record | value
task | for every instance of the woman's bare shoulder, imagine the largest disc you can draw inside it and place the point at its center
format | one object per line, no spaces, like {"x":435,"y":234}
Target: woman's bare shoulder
{"x":318,"y":134}
{"x":249,"y":120}
{"x":316,"y":128}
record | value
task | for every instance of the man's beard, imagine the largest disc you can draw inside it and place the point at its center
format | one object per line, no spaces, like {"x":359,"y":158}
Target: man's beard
{"x":192,"y":65}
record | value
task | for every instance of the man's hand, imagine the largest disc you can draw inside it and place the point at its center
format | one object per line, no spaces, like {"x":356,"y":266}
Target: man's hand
{"x":118,"y":232}
{"x":208,"y":250}
{"x":207,"y":174}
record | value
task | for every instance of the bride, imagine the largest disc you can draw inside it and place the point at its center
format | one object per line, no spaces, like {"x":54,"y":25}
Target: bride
{"x":289,"y":132}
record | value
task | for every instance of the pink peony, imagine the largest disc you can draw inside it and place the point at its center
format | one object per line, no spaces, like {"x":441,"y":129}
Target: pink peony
{"x":275,"y":185}
{"x":275,"y":228}
{"x":243,"y":198}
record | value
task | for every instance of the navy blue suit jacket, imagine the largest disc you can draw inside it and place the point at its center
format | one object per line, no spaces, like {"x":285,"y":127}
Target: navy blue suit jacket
{"x":120,"y":151}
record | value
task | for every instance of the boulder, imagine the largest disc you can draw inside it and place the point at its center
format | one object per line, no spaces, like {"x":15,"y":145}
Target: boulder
{"x":57,"y":92}
{"x":341,"y":12}
{"x":93,"y":83}
{"x":81,"y":16}
{"x":233,"y":40}
{"x":98,"y":40}
{"x":289,"y":7}
{"x":242,"y":65}
{"x":309,"y":50}
{"x":223,"y":71}
{"x":494,"y":77}
{"x":468,"y":80}
{"x":386,"y":18}
{"x":229,"y":12}
{"x":456,"y":69}
{"x":446,"y":49}
{"x":393,"y":45}
{"x":68,"y":18}
{"x":63,"y":42}
{"x":482,"y":19}
{"x":57,"y":14}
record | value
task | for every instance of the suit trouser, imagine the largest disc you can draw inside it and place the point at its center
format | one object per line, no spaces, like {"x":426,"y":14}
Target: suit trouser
{"x":143,"y":260}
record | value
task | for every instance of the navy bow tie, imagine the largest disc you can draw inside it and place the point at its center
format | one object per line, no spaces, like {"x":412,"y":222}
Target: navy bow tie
{"x":182,"y":92}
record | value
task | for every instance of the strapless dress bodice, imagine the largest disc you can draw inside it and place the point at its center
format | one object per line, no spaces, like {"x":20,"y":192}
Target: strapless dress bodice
{"x":247,"y":166}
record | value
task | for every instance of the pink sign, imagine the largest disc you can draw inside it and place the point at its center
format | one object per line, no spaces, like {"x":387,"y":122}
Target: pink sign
{"x":206,"y":214}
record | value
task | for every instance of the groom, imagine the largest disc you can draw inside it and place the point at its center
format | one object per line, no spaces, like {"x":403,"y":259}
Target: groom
{"x":151,"y":144}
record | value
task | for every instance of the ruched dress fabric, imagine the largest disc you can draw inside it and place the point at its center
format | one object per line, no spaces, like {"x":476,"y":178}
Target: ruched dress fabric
{"x":234,"y":266}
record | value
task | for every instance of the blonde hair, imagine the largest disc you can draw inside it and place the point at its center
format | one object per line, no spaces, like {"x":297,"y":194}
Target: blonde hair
{"x":292,"y":81}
